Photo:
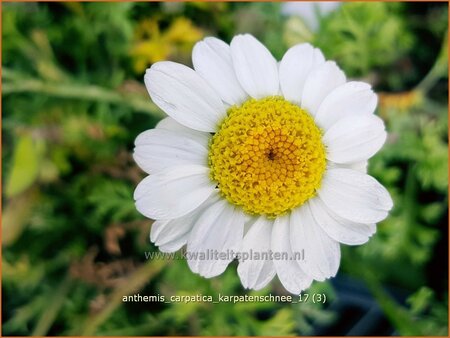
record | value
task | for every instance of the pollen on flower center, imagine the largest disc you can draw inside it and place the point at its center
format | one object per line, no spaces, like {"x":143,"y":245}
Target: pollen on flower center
{"x":267,"y":156}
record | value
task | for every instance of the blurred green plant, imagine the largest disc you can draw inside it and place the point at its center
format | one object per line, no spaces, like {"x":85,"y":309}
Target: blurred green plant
{"x":73,"y":103}
{"x":374,"y":34}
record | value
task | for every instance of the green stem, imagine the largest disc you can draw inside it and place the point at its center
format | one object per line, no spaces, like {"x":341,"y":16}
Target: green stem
{"x":79,"y":92}
{"x":55,"y":303}
{"x":409,"y":203}
{"x":439,"y":70}
{"x":136,"y":281}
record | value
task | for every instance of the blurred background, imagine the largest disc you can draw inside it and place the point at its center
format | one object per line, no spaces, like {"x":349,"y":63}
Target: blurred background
{"x":73,"y":102}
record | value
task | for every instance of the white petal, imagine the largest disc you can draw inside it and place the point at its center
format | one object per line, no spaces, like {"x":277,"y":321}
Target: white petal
{"x":255,"y":67}
{"x":158,"y":149}
{"x":256,"y":274}
{"x":173,"y":193}
{"x":172,"y":125}
{"x":319,"y":83}
{"x":295,"y":66}
{"x":171,"y":235}
{"x":351,"y":98}
{"x":322,"y":254}
{"x":184,"y":95}
{"x":289,"y":272}
{"x":318,"y":58}
{"x":212,"y":60}
{"x":339,"y":229}
{"x":359,"y":166}
{"x":249,"y":221}
{"x":355,"y":196}
{"x":355,"y":138}
{"x":219,"y":230}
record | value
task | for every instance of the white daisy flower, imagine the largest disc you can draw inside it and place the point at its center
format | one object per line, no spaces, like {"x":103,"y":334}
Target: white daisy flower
{"x":260,"y":157}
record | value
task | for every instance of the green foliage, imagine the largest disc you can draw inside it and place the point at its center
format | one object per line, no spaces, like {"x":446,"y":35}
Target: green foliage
{"x":25,"y":165}
{"x":432,"y":314}
{"x":73,"y":104}
{"x":374,"y":34}
{"x":117,"y":206}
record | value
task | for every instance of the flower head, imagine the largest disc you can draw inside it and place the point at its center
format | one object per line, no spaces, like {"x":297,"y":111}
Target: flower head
{"x":260,"y":158}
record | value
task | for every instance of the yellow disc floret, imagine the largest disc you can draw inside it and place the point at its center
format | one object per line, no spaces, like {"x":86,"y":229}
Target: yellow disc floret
{"x":267,"y":156}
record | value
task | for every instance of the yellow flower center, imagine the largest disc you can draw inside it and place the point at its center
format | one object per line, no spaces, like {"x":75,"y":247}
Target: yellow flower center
{"x":267,"y":156}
